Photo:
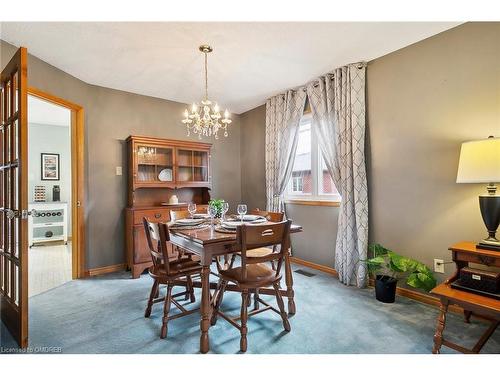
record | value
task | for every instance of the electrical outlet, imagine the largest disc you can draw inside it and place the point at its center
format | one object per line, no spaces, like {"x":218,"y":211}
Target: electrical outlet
{"x":118,"y":171}
{"x":439,"y":265}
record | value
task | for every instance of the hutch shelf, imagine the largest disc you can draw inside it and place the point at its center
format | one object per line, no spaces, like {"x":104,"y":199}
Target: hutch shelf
{"x":158,"y":169}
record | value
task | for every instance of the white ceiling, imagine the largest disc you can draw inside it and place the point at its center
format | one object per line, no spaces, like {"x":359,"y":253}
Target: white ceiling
{"x":250,"y":62}
{"x":42,"y":112}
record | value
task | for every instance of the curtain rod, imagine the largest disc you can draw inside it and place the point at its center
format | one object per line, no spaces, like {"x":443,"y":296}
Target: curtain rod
{"x":359,"y":65}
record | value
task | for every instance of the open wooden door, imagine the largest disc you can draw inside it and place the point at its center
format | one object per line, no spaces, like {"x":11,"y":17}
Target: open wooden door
{"x":14,"y":197}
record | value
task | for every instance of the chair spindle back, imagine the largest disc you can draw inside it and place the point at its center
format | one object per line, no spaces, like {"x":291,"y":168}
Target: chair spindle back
{"x":157,"y":236}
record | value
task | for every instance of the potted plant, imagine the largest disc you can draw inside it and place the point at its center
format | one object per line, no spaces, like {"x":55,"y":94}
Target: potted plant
{"x":387,"y":267}
{"x":217,"y":203}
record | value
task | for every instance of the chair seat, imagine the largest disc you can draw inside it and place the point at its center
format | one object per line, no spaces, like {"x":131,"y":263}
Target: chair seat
{"x":259,"y":252}
{"x":257,"y":275}
{"x":178,"y":268}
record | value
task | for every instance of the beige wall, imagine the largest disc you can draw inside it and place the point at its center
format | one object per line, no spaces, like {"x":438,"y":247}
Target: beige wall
{"x":423,"y":101}
{"x":317,"y":242}
{"x":111,"y":116}
{"x":253,"y":174}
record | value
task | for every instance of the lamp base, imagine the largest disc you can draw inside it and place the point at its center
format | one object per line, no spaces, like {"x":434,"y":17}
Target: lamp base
{"x":490,"y":211}
{"x":488,"y":245}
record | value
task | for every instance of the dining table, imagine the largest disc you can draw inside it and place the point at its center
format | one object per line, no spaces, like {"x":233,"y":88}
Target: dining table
{"x":208,"y":244}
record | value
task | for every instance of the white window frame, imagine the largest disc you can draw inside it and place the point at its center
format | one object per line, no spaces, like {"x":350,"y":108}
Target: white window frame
{"x":316,"y":196}
{"x":298,"y":178}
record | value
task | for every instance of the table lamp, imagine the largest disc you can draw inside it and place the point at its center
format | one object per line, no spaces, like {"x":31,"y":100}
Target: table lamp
{"x":480,"y":163}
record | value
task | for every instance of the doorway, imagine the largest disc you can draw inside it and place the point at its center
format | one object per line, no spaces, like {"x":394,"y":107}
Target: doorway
{"x":55,"y":191}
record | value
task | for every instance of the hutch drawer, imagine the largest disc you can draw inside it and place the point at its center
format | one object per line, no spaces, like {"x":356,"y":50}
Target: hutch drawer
{"x":156,"y":214}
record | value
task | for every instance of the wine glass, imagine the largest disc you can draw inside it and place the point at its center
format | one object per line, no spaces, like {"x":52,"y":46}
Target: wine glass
{"x":212,"y":212}
{"x":225,"y":208}
{"x":192,"y":209}
{"x":242,"y":210}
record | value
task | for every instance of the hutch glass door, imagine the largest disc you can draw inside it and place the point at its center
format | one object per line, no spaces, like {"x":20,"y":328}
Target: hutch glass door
{"x":155,"y":165}
{"x":192,"y":166}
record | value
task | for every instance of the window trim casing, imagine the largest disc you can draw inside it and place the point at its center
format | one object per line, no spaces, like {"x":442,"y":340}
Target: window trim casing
{"x":314,"y":199}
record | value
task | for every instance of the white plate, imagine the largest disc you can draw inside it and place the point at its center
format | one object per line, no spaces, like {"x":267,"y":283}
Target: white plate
{"x":231,"y":224}
{"x":201,"y":216}
{"x":260,"y":219}
{"x":251,"y":217}
{"x":165,"y":175}
{"x":188,"y":221}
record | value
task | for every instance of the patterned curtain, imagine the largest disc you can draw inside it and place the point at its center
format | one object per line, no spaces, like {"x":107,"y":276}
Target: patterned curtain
{"x":338,"y":116}
{"x":283,"y":114}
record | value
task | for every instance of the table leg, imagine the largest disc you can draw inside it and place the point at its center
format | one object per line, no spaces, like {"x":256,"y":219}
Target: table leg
{"x":205,"y":309}
{"x":438,"y":335}
{"x":289,"y":284}
{"x":467,"y":315}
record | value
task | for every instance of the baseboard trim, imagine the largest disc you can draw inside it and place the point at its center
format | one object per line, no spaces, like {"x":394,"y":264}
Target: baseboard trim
{"x":315,"y":266}
{"x":103,"y":270}
{"x":403,"y":292}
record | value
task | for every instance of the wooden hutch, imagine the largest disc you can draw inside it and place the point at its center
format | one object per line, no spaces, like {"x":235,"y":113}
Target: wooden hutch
{"x":157,"y":169}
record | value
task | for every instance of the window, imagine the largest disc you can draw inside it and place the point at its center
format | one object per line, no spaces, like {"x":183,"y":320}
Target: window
{"x":297,"y":184}
{"x":310,"y":178}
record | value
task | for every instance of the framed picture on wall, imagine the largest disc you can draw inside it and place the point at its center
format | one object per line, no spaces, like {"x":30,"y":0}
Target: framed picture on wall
{"x":50,"y":167}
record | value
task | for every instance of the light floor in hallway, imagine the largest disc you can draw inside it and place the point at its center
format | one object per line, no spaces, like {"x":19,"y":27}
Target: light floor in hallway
{"x":49,"y":267}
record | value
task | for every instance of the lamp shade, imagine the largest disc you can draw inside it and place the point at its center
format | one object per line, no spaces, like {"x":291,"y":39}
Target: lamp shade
{"x":479,"y":161}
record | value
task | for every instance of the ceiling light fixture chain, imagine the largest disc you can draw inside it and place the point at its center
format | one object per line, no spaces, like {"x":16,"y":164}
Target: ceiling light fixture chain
{"x":206,"y":76}
{"x":205,"y":119}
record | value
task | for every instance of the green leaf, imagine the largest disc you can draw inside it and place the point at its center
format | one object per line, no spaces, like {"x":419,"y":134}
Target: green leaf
{"x":428,"y":281}
{"x":423,"y":269}
{"x":401,"y":263}
{"x":217,"y":203}
{"x":397,"y":265}
{"x":377,"y":260}
{"x":413,"y":281}
{"x":378,"y":250}
{"x":421,"y":281}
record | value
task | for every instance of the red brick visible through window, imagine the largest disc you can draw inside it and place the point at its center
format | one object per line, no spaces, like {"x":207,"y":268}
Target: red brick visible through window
{"x":328,"y":186}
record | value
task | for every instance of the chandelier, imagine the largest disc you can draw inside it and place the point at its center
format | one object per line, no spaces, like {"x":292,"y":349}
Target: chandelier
{"x":206,"y":119}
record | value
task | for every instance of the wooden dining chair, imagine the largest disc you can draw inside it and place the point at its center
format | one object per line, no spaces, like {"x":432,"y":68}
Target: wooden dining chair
{"x":253,"y":274}
{"x":270,"y":216}
{"x":166,"y":272}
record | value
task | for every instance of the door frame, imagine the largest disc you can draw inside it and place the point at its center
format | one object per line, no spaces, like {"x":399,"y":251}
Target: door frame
{"x":77,"y":177}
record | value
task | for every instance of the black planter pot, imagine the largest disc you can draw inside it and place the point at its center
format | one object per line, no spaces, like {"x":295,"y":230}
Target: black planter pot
{"x":385,"y":288}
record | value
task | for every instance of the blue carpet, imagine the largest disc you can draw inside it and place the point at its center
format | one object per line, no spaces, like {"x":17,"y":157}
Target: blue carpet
{"x":105,"y":315}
